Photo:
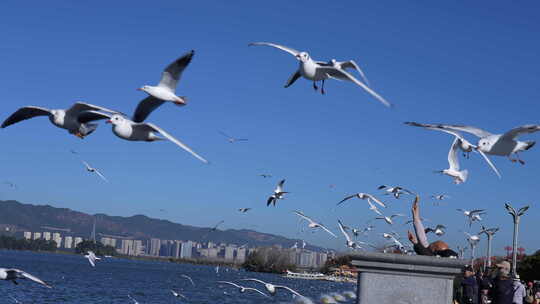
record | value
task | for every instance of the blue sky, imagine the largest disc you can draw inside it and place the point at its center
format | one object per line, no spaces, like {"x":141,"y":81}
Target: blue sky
{"x":452,"y":62}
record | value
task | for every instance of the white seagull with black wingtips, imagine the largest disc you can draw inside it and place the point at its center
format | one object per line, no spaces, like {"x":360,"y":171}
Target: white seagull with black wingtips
{"x":313,"y":224}
{"x":65,"y":119}
{"x":243,"y":289}
{"x":363,"y":196}
{"x":320,"y":71}
{"x":94,"y":170}
{"x":165,"y":90}
{"x":133,"y":131}
{"x":12,"y":274}
{"x":277,"y":195}
{"x":504,"y":144}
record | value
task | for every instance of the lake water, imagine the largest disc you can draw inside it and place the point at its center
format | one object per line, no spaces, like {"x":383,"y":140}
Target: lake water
{"x":75,"y":281}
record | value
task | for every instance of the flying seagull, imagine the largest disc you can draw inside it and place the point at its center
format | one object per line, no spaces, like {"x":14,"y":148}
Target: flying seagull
{"x":216,"y":226}
{"x":92,"y":258}
{"x":12,"y":274}
{"x":65,"y":119}
{"x":438,"y":230}
{"x":11,"y":184}
{"x":243,"y":289}
{"x":364,"y":196}
{"x":412,"y":220}
{"x":320,"y":71}
{"x":367,"y":229}
{"x":189,"y":278}
{"x":165,"y":90}
{"x":132,"y":299}
{"x":355,"y":231}
{"x":278,"y":194}
{"x":504,"y":144}
{"x":473,"y":215}
{"x":473,"y":239}
{"x":244,"y":210}
{"x":388,"y":219}
{"x":459,"y":176}
{"x":396,"y":191}
{"x":94,"y":170}
{"x":272,"y":289}
{"x":265,"y":175}
{"x":232,"y":139}
{"x":349,"y":242}
{"x":177,"y":294}
{"x":440,"y":197}
{"x":463,"y":144}
{"x":133,"y":131}
{"x":313,"y":224}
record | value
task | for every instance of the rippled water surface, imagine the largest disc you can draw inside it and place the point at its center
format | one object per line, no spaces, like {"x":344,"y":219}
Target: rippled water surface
{"x":75,"y":281}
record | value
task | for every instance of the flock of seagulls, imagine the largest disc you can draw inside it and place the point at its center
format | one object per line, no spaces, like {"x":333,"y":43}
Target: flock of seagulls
{"x":79,"y":120}
{"x":505,"y":144}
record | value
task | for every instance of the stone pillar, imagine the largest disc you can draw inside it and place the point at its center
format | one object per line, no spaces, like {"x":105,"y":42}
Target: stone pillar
{"x":394,"y":278}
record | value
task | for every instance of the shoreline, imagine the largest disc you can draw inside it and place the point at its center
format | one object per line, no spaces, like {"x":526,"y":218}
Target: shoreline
{"x":141,"y":258}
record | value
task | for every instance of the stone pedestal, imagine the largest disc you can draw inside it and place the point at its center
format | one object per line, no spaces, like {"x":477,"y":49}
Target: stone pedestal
{"x":385,"y":278}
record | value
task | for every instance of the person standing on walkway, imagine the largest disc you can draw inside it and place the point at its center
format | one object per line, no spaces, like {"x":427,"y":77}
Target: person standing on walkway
{"x":519,"y":291}
{"x":502,"y":291}
{"x":469,"y":287}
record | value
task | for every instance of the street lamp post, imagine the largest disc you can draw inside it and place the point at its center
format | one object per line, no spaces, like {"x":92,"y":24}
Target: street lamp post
{"x":473,"y":244}
{"x":489,"y":232}
{"x":516,"y":215}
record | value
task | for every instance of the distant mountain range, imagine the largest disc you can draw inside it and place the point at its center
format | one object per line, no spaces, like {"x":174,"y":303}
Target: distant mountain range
{"x":27,"y":217}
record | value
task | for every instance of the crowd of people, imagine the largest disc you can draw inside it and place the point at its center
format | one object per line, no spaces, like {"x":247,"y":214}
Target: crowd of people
{"x":496,"y":287}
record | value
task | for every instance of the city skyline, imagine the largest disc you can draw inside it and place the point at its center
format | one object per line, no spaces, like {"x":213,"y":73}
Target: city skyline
{"x":184,"y":249}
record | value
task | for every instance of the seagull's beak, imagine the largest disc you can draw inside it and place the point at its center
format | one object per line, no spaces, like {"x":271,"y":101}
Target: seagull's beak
{"x":108,"y":121}
{"x":139,"y":89}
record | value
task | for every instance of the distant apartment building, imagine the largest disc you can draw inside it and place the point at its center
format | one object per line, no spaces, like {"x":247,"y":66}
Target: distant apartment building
{"x":155,"y":246}
{"x":321,"y":258}
{"x":229,"y":253}
{"x":307,"y":259}
{"x":176,"y":249}
{"x":28,"y":235}
{"x":47,"y":236}
{"x":37,"y":235}
{"x":126,"y":247}
{"x":57,"y":238}
{"x":108,"y":241}
{"x":68,"y":242}
{"x":187,"y":250}
{"x":77,"y":241}
{"x":241,"y":255}
{"x":138,"y":248}
{"x":167,"y":248}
